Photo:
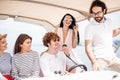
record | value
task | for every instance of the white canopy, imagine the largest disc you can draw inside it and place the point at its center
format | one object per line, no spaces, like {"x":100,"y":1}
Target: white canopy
{"x":48,"y":13}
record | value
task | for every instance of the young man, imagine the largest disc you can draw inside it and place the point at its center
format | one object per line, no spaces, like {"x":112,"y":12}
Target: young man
{"x":53,"y":61}
{"x":98,"y":39}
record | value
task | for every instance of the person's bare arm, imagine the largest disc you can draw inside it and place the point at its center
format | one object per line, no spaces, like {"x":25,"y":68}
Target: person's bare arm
{"x":88,"y":49}
{"x":116,"y":32}
{"x":89,"y":52}
{"x":75,"y":37}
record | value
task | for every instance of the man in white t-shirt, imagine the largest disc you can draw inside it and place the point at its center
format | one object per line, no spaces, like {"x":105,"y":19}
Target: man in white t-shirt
{"x":53,"y":62}
{"x":99,"y":39}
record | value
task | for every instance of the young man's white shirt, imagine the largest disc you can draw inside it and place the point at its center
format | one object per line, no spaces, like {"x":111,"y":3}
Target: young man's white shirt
{"x":51,"y":63}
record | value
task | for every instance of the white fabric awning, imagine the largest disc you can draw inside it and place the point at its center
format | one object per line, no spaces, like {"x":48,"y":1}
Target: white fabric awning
{"x":48,"y":13}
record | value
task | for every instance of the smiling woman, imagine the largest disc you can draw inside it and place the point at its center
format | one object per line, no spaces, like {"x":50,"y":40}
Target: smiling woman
{"x":14,"y":28}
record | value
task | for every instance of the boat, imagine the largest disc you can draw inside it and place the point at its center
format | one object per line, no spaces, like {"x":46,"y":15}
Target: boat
{"x":47,"y":14}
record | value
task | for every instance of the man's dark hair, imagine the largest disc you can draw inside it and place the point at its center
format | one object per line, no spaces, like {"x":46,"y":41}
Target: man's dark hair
{"x":99,"y":4}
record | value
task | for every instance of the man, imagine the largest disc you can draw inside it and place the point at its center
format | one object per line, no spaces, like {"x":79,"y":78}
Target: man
{"x":98,"y":39}
{"x":53,"y":62}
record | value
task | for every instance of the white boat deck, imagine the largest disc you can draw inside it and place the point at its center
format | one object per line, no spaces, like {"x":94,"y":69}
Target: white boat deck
{"x":89,"y":75}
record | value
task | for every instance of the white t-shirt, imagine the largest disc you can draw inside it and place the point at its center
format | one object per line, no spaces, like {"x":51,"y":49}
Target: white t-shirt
{"x":101,"y":36}
{"x":50,"y":63}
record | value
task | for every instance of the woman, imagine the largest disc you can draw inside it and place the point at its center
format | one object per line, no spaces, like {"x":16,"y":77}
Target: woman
{"x":68,"y":31}
{"x":25,"y":62}
{"x":5,"y":58}
{"x":69,"y":35}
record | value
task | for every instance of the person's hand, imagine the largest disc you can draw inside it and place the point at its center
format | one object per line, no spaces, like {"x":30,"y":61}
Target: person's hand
{"x":65,"y":49}
{"x":66,"y":73}
{"x":5,"y":78}
{"x":96,"y":67}
{"x":75,"y":28}
{"x":2,"y":77}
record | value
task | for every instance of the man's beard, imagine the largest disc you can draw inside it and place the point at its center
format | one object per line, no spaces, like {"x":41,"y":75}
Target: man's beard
{"x":98,"y":19}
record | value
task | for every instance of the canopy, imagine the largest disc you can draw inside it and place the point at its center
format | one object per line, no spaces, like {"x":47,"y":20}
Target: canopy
{"x":48,"y":13}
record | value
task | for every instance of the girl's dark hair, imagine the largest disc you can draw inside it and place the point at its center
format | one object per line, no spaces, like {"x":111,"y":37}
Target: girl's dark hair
{"x":21,"y":38}
{"x":99,"y":4}
{"x":73,"y":21}
{"x":78,"y":37}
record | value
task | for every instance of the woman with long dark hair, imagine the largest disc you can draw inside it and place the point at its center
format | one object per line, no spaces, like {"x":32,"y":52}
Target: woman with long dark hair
{"x":68,"y":31}
{"x":25,"y":62}
{"x":69,"y":35}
